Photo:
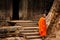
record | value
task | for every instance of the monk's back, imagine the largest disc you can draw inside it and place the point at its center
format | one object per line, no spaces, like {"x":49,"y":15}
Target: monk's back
{"x":42,"y":26}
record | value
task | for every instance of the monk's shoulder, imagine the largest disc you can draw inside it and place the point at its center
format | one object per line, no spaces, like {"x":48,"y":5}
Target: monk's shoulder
{"x":42,"y":18}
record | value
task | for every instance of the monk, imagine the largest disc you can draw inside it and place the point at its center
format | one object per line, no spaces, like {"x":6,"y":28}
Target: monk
{"x":42,"y":26}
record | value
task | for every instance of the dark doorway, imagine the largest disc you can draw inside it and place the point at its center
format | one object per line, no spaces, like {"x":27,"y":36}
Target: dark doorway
{"x":15,"y":15}
{"x":47,"y":6}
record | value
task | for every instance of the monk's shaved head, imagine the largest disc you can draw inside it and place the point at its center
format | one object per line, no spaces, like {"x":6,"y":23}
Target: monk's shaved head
{"x":43,"y":15}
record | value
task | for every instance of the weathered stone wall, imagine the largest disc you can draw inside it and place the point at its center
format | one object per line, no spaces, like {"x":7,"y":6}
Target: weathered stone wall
{"x":5,"y":9}
{"x":54,"y":19}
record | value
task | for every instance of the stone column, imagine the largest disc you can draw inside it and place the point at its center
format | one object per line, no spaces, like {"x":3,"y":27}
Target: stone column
{"x":24,"y":9}
{"x":11,"y":11}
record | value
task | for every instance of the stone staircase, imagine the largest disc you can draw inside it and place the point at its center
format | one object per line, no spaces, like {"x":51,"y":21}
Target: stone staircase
{"x":31,"y":33}
{"x":30,"y":29}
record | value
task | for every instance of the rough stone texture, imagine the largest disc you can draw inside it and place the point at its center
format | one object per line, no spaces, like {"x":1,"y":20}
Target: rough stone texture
{"x":4,"y":23}
{"x":54,"y":29}
{"x":10,"y":31}
{"x":54,"y":26}
{"x":13,"y":38}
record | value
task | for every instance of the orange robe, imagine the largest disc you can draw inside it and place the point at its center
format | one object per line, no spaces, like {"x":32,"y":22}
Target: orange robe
{"x":42,"y":26}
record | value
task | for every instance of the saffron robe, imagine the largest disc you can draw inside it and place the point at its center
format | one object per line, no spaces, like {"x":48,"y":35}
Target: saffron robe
{"x":42,"y":26}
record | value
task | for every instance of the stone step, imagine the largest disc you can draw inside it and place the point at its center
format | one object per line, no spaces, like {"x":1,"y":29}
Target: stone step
{"x":26,"y":31}
{"x":13,"y":38}
{"x":27,"y":24}
{"x":35,"y":36}
{"x":24,"y":22}
{"x":36,"y":39}
{"x":21,"y":21}
{"x":30,"y":27}
{"x":33,"y":33}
